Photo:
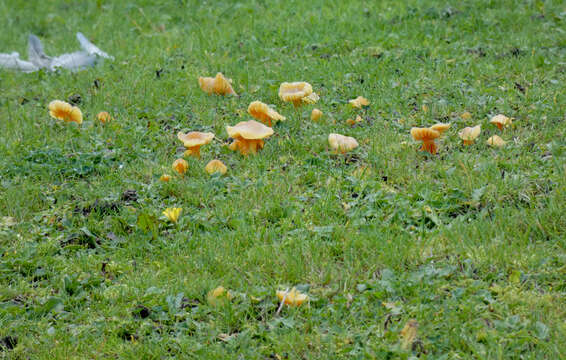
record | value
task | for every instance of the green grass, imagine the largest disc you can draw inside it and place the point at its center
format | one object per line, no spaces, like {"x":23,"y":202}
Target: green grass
{"x":470,"y":243}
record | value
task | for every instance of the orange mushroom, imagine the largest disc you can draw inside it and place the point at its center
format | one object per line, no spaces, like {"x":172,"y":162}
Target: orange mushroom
{"x":215,"y":166}
{"x":264,"y":113}
{"x":64,"y":111}
{"x":341,"y":143}
{"x":248,"y":136}
{"x":427,"y":136}
{"x":469,"y":134}
{"x":501,"y":121}
{"x":316,"y":114}
{"x":165,"y":177}
{"x":440,"y":127}
{"x":180,"y":166}
{"x":496,"y":141}
{"x":103,"y":117}
{"x":292,"y":297}
{"x":194,"y":140}
{"x":359,"y":102}
{"x":218,"y":85}
{"x":297,"y":92}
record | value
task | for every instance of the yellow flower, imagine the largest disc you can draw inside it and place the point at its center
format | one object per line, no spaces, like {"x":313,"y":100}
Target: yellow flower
{"x":165,"y":177}
{"x":316,"y":114}
{"x":215,"y":166}
{"x":218,"y":296}
{"x":172,"y":214}
{"x":469,"y":134}
{"x":64,"y":111}
{"x":293,"y":297}
{"x":180,"y":166}
{"x":103,"y":117}
{"x":359,"y":102}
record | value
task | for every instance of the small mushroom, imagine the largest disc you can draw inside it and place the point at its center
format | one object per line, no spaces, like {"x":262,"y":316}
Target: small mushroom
{"x":180,"y":166}
{"x":165,"y":177}
{"x":264,"y":113}
{"x":466,"y":115}
{"x":501,"y":121}
{"x":219,"y":296}
{"x":359,"y":102}
{"x":248,"y":136}
{"x":341,"y":143}
{"x":297,"y":92}
{"x":316,"y":114}
{"x":64,"y":111}
{"x":215,"y":166}
{"x":194,"y":140}
{"x":292,"y":297}
{"x":496,"y":141}
{"x":427,"y":136}
{"x":440,"y":127}
{"x":218,"y":85}
{"x":469,"y":134}
{"x":354,"y":122}
{"x":103,"y":117}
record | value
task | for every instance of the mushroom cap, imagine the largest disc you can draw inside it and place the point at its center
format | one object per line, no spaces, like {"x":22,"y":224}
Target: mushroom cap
{"x":500,"y":119}
{"x":342,"y":143}
{"x":223,"y":86}
{"x":470,"y":133}
{"x":359,"y":102}
{"x":440,"y":127}
{"x":250,"y":130}
{"x":206,"y":84}
{"x":496,"y":141}
{"x":215,"y":166}
{"x":195,"y":138}
{"x":424,"y":134}
{"x":316,"y":114}
{"x":262,"y":112}
{"x":292,"y":297}
{"x":311,"y":99}
{"x":103,"y":117}
{"x":180,"y":166}
{"x":294,"y":91}
{"x":64,"y":111}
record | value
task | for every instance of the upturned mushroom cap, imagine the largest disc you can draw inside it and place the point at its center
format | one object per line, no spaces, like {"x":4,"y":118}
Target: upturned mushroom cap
{"x":264,"y":113}
{"x":496,"y":141}
{"x":316,"y":114}
{"x":249,"y":130}
{"x":195,"y":138}
{"x":342,"y":143}
{"x":500,"y":121}
{"x":64,"y":111}
{"x":440,"y":127}
{"x":215,"y":166}
{"x":217,"y":85}
{"x":424,"y":134}
{"x":359,"y":102}
{"x":470,"y":133}
{"x":294,"y":91}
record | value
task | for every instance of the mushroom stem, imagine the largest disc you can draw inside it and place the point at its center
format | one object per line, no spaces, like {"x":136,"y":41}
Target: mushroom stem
{"x":468,"y":142}
{"x":247,"y":146}
{"x":193,"y":151}
{"x":499,"y":126}
{"x":430,"y":146}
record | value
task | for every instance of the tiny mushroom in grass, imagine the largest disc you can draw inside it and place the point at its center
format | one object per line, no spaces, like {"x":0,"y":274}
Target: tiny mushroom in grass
{"x":427,"y":136}
{"x":316,"y":114}
{"x":194,"y":140}
{"x":440,"y":127}
{"x":103,"y":117}
{"x":218,"y":85}
{"x":218,"y":296}
{"x":359,"y":102}
{"x":354,"y":122}
{"x":341,"y":143}
{"x":264,"y":113}
{"x":297,"y":93}
{"x":215,"y":166}
{"x":293,"y":297}
{"x":496,"y":141}
{"x":501,"y":121}
{"x":64,"y":111}
{"x":469,"y":134}
{"x":172,"y":214}
{"x":248,"y":136}
{"x":466,"y":115}
{"x":165,"y":177}
{"x":180,"y":166}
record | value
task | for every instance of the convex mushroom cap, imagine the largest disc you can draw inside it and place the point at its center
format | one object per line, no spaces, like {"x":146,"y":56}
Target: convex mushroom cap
{"x":180,"y":166}
{"x":359,"y":102}
{"x":248,"y":136}
{"x":341,"y":143}
{"x":469,"y":134}
{"x":215,"y":166}
{"x":194,"y":140}
{"x":264,"y":113}
{"x":496,"y":141}
{"x":316,"y":114}
{"x":427,"y":136}
{"x":440,"y":127}
{"x":218,"y":85}
{"x":501,"y":121}
{"x":297,"y":92}
{"x":64,"y":111}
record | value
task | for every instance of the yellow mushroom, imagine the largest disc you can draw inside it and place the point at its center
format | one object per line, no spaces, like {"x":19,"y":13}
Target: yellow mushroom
{"x":292,"y":297}
{"x":469,"y":134}
{"x":316,"y":114}
{"x":165,"y":177}
{"x":297,"y":92}
{"x":194,"y":140}
{"x":264,"y":113}
{"x":248,"y":136}
{"x":427,"y":136}
{"x":64,"y":111}
{"x":217,"y":85}
{"x":215,"y":166}
{"x":180,"y":166}
{"x":359,"y":102}
{"x":341,"y":143}
{"x":501,"y":121}
{"x":496,"y":141}
{"x":103,"y":117}
{"x":440,"y":127}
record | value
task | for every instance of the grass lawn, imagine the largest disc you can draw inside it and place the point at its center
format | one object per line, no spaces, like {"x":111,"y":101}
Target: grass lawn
{"x":468,"y":245}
